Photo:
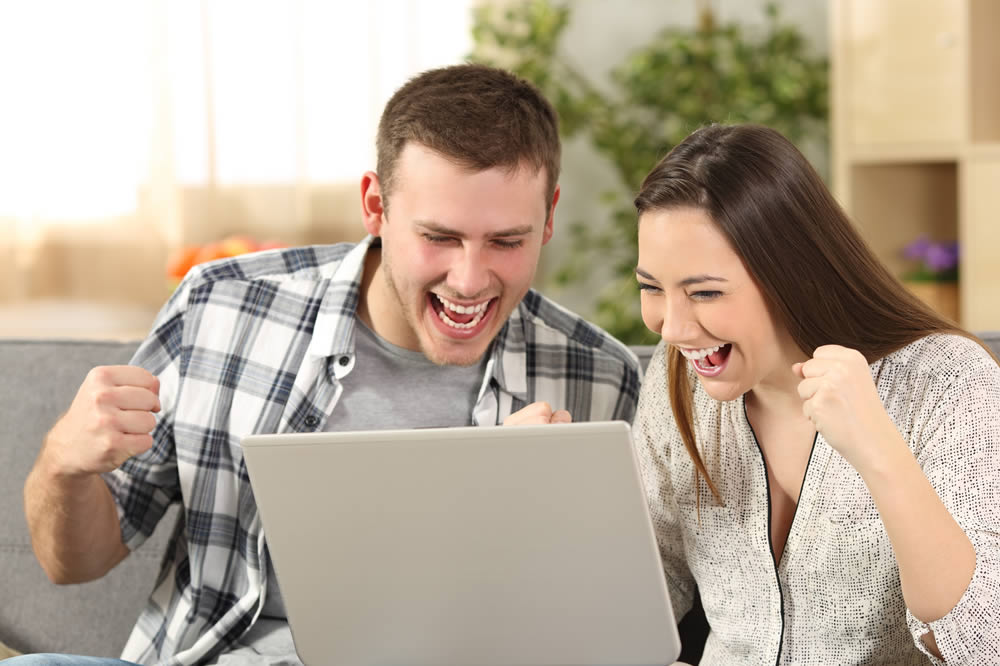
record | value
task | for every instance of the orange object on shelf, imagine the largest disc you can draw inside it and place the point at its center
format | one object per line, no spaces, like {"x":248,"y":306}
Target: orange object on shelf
{"x":184,"y":258}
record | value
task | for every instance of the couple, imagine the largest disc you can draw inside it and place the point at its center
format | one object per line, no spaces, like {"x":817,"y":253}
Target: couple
{"x":820,"y":451}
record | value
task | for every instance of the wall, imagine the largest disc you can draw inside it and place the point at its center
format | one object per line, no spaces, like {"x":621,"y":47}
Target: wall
{"x":600,"y":33}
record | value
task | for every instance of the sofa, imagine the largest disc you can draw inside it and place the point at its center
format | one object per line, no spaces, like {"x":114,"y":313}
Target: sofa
{"x":40,"y":379}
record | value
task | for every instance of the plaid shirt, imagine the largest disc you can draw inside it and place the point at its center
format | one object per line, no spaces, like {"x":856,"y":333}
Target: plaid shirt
{"x":259,"y":344}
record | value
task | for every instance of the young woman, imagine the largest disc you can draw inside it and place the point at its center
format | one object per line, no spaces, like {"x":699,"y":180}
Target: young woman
{"x":831,"y":478}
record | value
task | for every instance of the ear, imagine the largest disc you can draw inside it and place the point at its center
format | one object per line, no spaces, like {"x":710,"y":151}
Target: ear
{"x":547,"y":231}
{"x":372,"y":206}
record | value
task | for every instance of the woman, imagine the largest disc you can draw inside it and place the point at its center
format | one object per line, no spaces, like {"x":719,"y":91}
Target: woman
{"x":831,"y":481}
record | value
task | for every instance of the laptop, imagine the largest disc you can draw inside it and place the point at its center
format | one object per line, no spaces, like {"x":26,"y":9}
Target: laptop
{"x":472,"y":546}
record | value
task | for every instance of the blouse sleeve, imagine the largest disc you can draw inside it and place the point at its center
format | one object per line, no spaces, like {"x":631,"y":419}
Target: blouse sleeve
{"x":960,"y":455}
{"x":652,"y":430}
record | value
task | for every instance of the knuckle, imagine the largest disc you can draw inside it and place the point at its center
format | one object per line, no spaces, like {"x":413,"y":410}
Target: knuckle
{"x":103,"y":397}
{"x":104,"y":422}
{"x":100,"y":374}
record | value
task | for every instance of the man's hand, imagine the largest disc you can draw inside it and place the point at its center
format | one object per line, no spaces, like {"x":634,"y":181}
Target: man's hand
{"x":538,"y":413}
{"x":109,"y":421}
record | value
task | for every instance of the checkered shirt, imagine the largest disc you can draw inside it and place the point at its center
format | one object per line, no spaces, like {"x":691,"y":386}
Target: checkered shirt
{"x":259,"y":344}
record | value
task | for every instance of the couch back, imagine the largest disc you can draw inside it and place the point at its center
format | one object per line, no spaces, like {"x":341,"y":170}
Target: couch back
{"x":40,"y":379}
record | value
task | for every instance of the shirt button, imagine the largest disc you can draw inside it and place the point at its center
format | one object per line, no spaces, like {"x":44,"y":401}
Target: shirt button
{"x":344,"y":360}
{"x":312,"y":421}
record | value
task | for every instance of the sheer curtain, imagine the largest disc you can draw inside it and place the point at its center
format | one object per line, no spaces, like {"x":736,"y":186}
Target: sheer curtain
{"x":131,"y":127}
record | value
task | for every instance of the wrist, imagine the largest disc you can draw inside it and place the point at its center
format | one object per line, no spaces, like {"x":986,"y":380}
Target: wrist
{"x":886,"y":457}
{"x":52,"y":464}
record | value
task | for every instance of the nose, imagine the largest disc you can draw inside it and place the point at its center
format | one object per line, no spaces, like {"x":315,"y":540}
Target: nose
{"x":678,"y":325}
{"x":469,"y":275}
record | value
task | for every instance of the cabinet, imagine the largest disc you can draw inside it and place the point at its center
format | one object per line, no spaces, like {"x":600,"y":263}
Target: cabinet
{"x":916,"y":133}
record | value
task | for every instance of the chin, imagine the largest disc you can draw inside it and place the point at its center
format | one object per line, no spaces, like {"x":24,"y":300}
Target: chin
{"x":451,"y":354}
{"x":723,"y":392}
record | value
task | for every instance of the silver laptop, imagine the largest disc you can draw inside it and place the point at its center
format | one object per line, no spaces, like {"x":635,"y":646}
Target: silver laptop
{"x":528,"y":545}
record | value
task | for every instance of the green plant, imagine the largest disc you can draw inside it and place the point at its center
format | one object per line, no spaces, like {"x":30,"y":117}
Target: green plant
{"x":681,"y":80}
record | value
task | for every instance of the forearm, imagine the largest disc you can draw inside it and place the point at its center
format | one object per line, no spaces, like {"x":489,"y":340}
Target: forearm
{"x":936,"y":559}
{"x":74,"y":524}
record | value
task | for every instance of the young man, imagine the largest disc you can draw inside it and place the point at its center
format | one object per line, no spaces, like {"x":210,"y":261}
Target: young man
{"x":429,"y":321}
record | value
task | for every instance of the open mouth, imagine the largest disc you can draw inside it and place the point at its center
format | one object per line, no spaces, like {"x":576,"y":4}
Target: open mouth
{"x":710,"y":361}
{"x":461,"y":317}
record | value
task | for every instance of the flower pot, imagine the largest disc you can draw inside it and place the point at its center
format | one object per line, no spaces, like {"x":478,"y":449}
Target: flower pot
{"x":942,"y":296}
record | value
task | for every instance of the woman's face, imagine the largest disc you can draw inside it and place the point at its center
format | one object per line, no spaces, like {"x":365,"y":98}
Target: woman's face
{"x":698,"y":296}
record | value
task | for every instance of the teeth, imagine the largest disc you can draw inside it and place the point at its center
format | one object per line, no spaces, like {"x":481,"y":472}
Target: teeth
{"x":699,"y":354}
{"x":479,"y":310}
{"x":462,"y":309}
{"x":475,"y":320}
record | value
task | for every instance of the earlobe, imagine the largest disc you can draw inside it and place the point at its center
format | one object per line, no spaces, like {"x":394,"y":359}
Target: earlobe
{"x":547,"y":231}
{"x":371,"y":203}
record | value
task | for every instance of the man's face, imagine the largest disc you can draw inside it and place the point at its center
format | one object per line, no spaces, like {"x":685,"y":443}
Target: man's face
{"x":459,"y":251}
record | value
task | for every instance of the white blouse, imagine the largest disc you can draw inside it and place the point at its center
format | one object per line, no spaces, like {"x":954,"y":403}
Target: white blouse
{"x":835,"y":595}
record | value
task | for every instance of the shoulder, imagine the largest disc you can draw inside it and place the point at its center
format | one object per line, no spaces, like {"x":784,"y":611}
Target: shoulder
{"x":307,"y":263}
{"x":257,"y":283}
{"x":941,"y":359}
{"x":224,"y":296}
{"x":938,"y":384}
{"x":550,"y":328}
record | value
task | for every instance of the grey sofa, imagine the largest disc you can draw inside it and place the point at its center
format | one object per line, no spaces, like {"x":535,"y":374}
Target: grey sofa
{"x":40,"y":378}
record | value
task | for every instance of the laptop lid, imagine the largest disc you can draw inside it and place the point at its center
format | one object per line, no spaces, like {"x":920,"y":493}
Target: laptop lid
{"x":478,"y":546}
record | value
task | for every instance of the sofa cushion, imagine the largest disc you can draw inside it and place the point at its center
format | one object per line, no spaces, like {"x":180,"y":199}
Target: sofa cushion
{"x":40,"y":379}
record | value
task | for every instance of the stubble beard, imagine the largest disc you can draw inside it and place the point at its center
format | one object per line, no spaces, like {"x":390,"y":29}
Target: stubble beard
{"x":414,"y":319}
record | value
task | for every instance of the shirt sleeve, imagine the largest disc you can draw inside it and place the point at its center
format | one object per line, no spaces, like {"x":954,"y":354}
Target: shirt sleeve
{"x":145,"y":485}
{"x":961,"y":458}
{"x":652,"y":430}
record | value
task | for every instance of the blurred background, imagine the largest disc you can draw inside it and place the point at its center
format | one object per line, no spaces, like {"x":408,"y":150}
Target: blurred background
{"x":139,"y":136}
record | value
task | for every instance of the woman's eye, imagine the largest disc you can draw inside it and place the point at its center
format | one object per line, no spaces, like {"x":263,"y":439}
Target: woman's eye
{"x":705,"y":295}
{"x":643,"y":286}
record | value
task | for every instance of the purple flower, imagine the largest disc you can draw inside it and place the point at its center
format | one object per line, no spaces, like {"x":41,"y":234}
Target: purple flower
{"x":933,"y":260}
{"x":941,"y":257}
{"x":917,"y":249}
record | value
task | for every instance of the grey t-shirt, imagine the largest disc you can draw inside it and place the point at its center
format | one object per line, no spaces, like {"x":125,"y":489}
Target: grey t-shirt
{"x":389,"y":387}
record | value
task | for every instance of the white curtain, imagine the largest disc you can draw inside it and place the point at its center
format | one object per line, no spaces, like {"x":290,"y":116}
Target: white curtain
{"x":131,"y":127}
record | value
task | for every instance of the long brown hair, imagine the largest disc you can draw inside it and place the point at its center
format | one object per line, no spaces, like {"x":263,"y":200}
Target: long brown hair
{"x":818,"y":277}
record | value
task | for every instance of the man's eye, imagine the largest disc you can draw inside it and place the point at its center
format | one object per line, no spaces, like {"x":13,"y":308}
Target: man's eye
{"x":434,"y":238}
{"x":508,"y":244}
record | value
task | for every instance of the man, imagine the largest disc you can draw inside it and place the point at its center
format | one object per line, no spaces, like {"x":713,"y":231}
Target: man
{"x":427,"y":322}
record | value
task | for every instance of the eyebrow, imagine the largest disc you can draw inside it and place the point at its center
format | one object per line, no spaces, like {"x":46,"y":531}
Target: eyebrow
{"x":686,"y":282}
{"x":434,"y":227}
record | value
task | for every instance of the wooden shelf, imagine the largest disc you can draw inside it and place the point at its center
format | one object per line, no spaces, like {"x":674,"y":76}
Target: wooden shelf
{"x":916,"y":133}
{"x":904,"y":153}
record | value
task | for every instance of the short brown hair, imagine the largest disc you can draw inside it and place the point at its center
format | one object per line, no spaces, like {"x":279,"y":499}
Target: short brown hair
{"x":477,"y":116}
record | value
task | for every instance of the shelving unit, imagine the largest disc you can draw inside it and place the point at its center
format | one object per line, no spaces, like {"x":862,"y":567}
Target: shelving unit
{"x":916,"y":133}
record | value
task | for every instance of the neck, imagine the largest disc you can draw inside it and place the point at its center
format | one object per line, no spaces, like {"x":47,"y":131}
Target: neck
{"x":778,"y":393}
{"x":367,"y":299}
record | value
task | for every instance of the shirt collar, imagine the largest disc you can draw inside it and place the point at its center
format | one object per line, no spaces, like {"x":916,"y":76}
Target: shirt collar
{"x":333,"y":332}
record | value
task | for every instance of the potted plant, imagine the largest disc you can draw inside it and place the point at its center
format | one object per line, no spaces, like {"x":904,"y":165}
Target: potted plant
{"x":684,"y":78}
{"x":933,"y":276}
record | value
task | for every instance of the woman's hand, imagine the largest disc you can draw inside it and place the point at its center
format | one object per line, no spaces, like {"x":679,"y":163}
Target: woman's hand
{"x":840,"y":398}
